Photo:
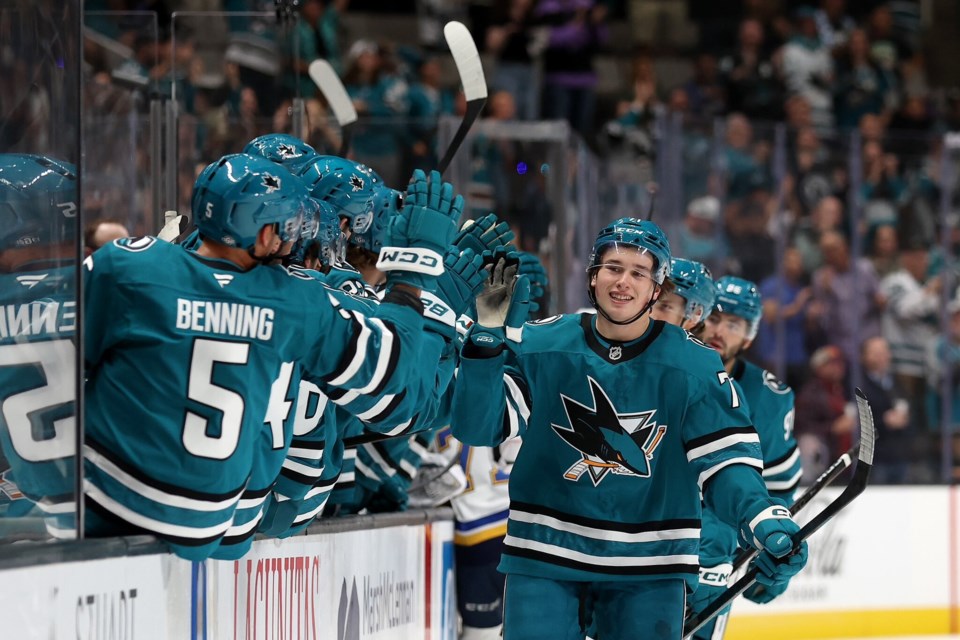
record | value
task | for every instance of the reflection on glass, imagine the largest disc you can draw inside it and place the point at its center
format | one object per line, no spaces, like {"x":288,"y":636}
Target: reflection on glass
{"x":38,"y":210}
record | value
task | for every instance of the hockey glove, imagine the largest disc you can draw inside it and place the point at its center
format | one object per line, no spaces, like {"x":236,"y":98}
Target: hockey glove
{"x":419,"y":234}
{"x":457,"y":287}
{"x":762,"y":594}
{"x":770,"y":532}
{"x":531,"y":267}
{"x":485,"y":233}
{"x":505,"y":299}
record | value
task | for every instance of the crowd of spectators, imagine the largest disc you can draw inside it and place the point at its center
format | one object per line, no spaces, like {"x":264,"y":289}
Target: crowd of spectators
{"x":837,"y":220}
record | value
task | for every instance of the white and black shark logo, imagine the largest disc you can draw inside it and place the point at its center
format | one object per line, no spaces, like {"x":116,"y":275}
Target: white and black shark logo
{"x":609,"y":442}
{"x":287,"y":151}
{"x":272,"y":183}
{"x":356,"y":182}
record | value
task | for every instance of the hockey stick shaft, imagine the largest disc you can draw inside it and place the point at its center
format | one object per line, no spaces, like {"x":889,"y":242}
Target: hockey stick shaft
{"x":831,"y":473}
{"x":467,"y":58}
{"x":856,"y":486}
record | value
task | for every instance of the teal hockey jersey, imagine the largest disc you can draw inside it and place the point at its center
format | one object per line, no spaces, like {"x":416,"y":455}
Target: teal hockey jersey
{"x":770,"y":405}
{"x":619,"y":440}
{"x":181,"y":351}
{"x":38,"y":318}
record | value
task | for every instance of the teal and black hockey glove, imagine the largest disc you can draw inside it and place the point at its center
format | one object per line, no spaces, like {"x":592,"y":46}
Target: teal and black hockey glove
{"x":457,"y":287}
{"x":486,"y":233}
{"x":420,"y":234}
{"x":770,"y":532}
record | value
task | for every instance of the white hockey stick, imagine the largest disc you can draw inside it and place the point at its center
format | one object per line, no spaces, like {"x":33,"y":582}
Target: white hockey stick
{"x":467,"y":58}
{"x":340,"y":103}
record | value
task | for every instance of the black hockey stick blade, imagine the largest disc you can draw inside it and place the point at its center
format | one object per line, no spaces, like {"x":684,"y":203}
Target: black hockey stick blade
{"x":330,"y":85}
{"x":467,"y":58}
{"x":856,"y":486}
{"x":830,"y":474}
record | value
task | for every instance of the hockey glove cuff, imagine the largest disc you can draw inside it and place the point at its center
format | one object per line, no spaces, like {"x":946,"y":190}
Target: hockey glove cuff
{"x":457,"y":288}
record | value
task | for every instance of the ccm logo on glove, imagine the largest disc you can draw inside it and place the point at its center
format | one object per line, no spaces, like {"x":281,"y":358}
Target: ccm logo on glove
{"x":410,"y":259}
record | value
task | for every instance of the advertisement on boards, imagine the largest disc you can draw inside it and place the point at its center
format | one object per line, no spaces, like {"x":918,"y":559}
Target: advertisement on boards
{"x":356,"y":585}
{"x":109,"y":599}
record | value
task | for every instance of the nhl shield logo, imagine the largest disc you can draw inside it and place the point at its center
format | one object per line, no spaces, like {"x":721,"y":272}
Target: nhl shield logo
{"x":615,"y":353}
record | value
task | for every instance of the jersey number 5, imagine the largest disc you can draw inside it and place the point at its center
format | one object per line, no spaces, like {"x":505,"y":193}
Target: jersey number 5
{"x":201,"y":389}
{"x":724,"y":378}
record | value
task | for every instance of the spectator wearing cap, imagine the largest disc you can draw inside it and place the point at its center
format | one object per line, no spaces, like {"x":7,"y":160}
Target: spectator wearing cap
{"x":847,"y":299}
{"x":826,"y":418}
{"x":700,"y":237}
{"x":808,"y":67}
{"x":910,"y":320}
{"x":890,"y":412}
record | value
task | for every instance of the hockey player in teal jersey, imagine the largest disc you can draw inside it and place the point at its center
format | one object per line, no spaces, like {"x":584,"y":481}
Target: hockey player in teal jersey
{"x":687,"y":296}
{"x":38,"y":270}
{"x":730,"y":329}
{"x":625,"y":421}
{"x":179,"y":345}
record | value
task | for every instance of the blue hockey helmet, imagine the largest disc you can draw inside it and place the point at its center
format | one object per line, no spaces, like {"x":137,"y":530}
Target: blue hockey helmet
{"x":347,"y":185}
{"x":693,"y":283}
{"x":239,"y":194}
{"x":386,"y":203}
{"x":38,"y":201}
{"x":282,"y":148}
{"x":640,"y":234}
{"x":740,"y":298}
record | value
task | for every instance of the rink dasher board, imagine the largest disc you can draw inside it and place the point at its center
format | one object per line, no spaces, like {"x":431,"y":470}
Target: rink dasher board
{"x":887,"y":565}
{"x":386,"y":583}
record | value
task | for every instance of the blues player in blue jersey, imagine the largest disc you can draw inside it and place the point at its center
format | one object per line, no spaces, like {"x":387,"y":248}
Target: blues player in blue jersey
{"x":625,"y":421}
{"x":38,"y":314}
{"x":179,"y":344}
{"x":730,"y":329}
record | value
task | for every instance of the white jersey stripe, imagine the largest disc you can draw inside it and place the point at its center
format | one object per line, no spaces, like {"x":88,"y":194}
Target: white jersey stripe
{"x":302,"y":469}
{"x":359,"y":356}
{"x":246,"y":527}
{"x":309,"y":454}
{"x":180,"y":531}
{"x":709,"y":473}
{"x":517,"y":396}
{"x":783,"y":466}
{"x":378,"y":408}
{"x":784,"y":485}
{"x":603,"y":561}
{"x":604,"y":534}
{"x":722,"y":443}
{"x":152,"y":493}
{"x":386,"y":351}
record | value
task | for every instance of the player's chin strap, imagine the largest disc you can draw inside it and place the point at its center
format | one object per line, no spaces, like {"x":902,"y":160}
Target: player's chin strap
{"x":593,"y":300}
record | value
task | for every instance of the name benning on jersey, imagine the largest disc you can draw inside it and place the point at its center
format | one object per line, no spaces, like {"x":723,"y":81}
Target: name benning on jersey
{"x":38,"y":318}
{"x":225,"y":318}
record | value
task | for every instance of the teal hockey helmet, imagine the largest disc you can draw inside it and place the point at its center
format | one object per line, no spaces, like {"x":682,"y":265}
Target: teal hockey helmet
{"x":239,"y":194}
{"x":386,"y":203}
{"x":282,"y":148}
{"x":320,"y":236}
{"x":346,"y":185}
{"x":38,"y":201}
{"x":740,"y":298}
{"x":641,"y":234}
{"x":693,"y":283}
